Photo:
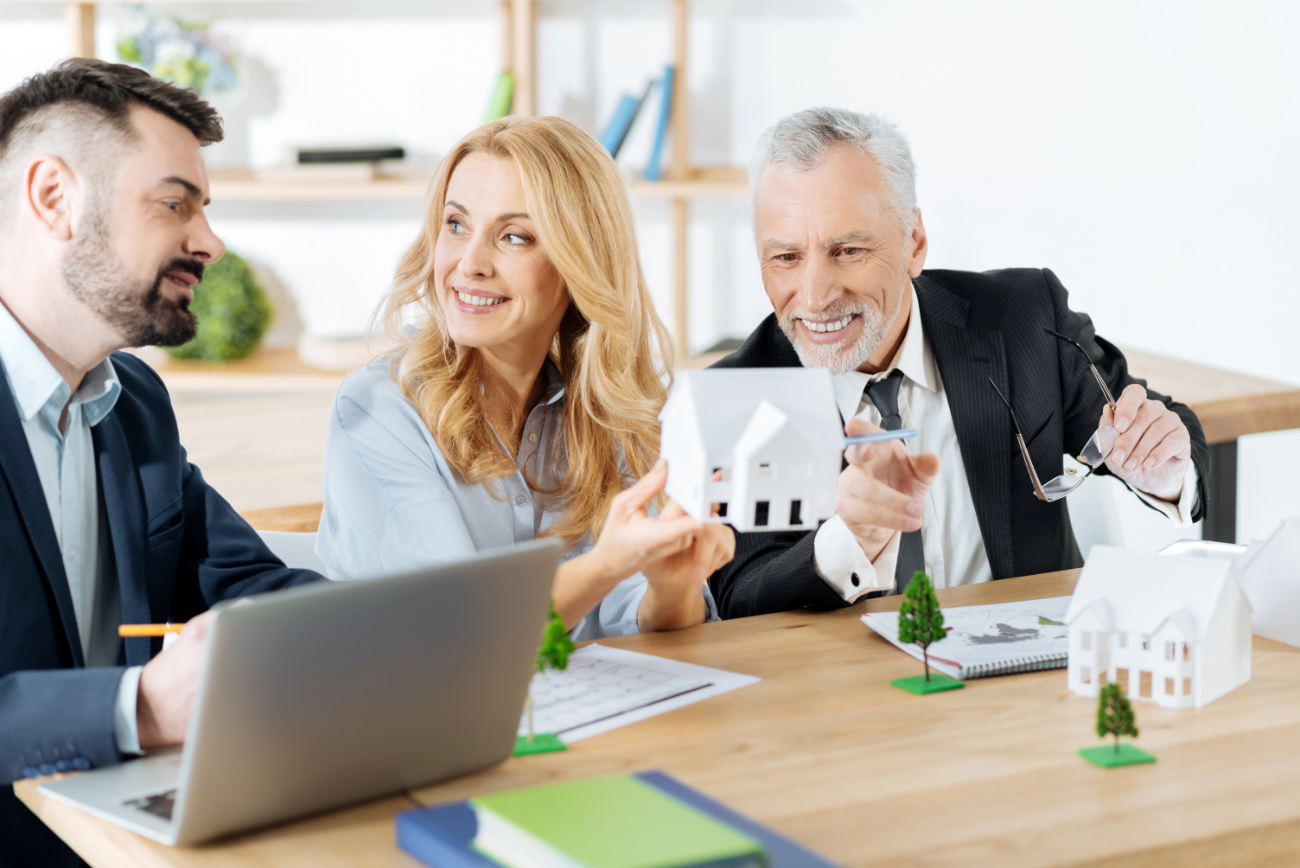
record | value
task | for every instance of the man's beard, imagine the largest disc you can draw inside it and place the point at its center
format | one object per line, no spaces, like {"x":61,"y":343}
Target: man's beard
{"x":138,"y":310}
{"x":839,"y":358}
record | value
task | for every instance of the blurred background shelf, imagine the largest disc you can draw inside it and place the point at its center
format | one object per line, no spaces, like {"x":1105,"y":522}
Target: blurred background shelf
{"x":701,"y":183}
{"x":243,"y":185}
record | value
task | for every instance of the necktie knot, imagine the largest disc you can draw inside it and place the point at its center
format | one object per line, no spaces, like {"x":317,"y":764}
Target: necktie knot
{"x":884,"y":395}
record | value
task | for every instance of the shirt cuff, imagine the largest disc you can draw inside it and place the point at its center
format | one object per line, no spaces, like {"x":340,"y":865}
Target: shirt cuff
{"x":1179,"y":513}
{"x":839,"y":560}
{"x":125,"y":729}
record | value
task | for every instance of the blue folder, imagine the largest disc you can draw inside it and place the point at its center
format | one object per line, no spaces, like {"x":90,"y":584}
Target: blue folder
{"x":614,"y":135}
{"x":440,"y":836}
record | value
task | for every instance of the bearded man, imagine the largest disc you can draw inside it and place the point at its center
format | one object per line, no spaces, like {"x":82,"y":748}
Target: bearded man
{"x":103,"y":521}
{"x":994,"y":369}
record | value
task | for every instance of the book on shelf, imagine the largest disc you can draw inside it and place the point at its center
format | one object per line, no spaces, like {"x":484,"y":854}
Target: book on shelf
{"x":503,"y":98}
{"x":616,"y":130}
{"x":448,"y":836}
{"x":653,"y":169}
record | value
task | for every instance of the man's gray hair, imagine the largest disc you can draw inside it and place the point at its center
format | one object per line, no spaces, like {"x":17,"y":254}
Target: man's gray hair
{"x":803,"y":139}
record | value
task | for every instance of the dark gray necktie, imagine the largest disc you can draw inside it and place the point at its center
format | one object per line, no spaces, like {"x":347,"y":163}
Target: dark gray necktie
{"x":911,"y":556}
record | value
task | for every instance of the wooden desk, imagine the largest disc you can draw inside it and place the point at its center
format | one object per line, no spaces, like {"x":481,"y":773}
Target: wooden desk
{"x":825,"y":750}
{"x":1229,"y":406}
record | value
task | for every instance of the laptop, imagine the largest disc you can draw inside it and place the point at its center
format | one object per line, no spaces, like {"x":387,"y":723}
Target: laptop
{"x":317,"y":697}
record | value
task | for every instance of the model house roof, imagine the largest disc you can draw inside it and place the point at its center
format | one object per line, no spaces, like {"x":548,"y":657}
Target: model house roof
{"x":1138,"y":592}
{"x":731,"y":404}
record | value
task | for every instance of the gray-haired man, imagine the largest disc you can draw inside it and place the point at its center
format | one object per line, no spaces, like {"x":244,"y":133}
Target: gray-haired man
{"x":842,"y":245}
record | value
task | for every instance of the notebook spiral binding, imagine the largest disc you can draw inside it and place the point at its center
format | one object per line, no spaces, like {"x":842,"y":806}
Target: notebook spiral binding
{"x":1015,"y":665}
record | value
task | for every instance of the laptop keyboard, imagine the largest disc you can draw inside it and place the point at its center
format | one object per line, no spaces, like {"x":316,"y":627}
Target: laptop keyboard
{"x":158,"y":804}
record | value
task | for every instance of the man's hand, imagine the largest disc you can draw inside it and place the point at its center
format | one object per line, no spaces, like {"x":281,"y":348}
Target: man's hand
{"x":1154,"y":446}
{"x":674,"y":598}
{"x":881,"y":490}
{"x":167,"y":685}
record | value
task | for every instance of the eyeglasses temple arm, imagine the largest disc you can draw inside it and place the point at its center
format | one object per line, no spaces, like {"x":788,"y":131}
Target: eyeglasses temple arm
{"x":1024,"y":450}
{"x":1105,"y":390}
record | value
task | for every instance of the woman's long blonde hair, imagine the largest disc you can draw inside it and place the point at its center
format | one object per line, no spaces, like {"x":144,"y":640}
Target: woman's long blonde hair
{"x":611,"y":349}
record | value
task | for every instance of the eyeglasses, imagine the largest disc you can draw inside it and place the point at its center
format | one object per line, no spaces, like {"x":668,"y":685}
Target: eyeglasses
{"x":1094,"y":453}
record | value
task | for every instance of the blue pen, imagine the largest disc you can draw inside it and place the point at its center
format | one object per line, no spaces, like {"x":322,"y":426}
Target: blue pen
{"x":880,"y":437}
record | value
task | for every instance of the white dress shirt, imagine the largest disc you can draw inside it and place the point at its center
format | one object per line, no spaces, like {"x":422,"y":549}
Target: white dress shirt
{"x":65,"y":463}
{"x":951,"y":541}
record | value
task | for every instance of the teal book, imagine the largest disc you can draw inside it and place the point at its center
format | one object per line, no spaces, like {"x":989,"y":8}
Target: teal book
{"x":613,"y":821}
{"x":653,"y":170}
{"x":503,"y":98}
{"x":616,"y":131}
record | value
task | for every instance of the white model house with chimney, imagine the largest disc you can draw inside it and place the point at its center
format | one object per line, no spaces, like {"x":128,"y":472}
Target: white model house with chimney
{"x":757,"y":448}
{"x":1170,"y":630}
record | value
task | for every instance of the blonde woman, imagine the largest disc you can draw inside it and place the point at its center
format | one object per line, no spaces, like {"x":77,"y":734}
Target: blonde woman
{"x":522,"y":399}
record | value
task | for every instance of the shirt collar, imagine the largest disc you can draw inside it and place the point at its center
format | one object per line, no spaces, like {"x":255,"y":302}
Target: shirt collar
{"x":913,"y":358}
{"x":554,"y":383}
{"x":36,"y":384}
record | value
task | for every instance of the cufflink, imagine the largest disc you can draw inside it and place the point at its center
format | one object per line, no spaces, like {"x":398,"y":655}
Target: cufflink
{"x":855,"y":580}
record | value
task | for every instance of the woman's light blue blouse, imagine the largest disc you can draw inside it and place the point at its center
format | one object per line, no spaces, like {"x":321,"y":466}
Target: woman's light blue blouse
{"x":392,"y":503}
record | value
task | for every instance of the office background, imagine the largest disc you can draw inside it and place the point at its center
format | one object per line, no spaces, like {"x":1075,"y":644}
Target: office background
{"x":1145,"y":152}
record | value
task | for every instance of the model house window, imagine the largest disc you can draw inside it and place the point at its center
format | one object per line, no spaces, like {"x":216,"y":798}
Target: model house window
{"x":721,"y":474}
{"x":1122,"y":641}
{"x":718,"y":510}
{"x":1121,"y":678}
{"x":1185,"y":657}
{"x":1146,"y":644}
{"x":1187,"y":687}
{"x":1169,"y":684}
{"x":1169,"y":655}
{"x":795,"y":507}
{"x":801,"y":470}
{"x":1144,"y":684}
{"x":1085,"y":640}
{"x":1085,"y":673}
{"x":760,"y":513}
{"x":1102,"y":675}
{"x":766,"y":471}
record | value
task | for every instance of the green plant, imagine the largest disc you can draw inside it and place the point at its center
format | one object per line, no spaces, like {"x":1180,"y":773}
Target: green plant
{"x":920,"y":620}
{"x":552,"y":654}
{"x":1115,"y":714}
{"x":186,"y":53}
{"x":232,"y":310}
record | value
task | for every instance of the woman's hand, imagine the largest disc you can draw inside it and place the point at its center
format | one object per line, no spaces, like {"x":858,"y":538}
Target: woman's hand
{"x":630,"y":540}
{"x":674,"y":599}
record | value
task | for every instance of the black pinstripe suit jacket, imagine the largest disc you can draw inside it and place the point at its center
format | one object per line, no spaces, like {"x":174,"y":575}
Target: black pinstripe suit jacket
{"x":979,"y":325}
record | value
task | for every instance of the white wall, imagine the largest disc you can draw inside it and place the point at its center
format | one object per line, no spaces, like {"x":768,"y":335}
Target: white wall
{"x":1145,"y":152}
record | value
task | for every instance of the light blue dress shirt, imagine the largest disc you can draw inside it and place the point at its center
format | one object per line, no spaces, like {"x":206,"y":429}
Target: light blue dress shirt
{"x":65,"y":463}
{"x":393,"y":504}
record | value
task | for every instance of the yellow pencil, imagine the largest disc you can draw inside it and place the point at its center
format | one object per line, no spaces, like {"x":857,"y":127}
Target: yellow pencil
{"x":149,"y":629}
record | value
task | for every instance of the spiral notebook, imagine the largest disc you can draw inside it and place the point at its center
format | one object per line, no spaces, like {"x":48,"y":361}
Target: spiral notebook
{"x":998,"y":639}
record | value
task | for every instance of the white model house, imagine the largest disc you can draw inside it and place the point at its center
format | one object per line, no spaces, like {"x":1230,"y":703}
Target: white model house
{"x":1171,"y":630}
{"x":757,"y":448}
{"x":1270,"y":573}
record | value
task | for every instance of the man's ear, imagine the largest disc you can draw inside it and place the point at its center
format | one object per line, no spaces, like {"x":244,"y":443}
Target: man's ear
{"x":918,"y":245}
{"x":48,"y":191}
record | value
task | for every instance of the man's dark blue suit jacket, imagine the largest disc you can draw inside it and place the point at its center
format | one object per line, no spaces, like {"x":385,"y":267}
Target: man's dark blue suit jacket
{"x":174,"y":546}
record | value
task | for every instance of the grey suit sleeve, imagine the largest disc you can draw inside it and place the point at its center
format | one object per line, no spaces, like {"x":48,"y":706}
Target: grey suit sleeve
{"x":1081,"y":396}
{"x":57,"y":720}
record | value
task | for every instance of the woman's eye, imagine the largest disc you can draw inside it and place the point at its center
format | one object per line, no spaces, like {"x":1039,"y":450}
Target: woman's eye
{"x":516,"y":238}
{"x":454,"y":226}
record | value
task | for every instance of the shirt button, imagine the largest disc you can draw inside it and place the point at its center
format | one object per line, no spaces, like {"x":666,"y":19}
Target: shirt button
{"x":855,"y":580}
{"x":532,"y":438}
{"x":521,"y":500}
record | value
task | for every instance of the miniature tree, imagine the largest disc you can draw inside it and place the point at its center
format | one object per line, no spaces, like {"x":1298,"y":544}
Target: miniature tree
{"x":1115,"y":714}
{"x":920,"y":622}
{"x":1115,"y":717}
{"x":552,"y":654}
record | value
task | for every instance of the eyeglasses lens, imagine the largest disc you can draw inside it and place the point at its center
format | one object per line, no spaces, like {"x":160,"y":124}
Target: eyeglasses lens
{"x":1098,"y":447}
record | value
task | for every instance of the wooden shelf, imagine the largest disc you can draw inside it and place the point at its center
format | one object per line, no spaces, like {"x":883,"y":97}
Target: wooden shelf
{"x":243,"y":185}
{"x":712,"y":182}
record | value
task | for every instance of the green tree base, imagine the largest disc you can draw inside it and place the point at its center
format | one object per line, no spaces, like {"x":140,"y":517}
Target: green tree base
{"x":918,"y":685}
{"x":543,"y":742}
{"x":1108,"y":758}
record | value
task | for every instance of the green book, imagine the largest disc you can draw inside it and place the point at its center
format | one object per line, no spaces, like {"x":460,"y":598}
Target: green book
{"x":614,"y":821}
{"x":503,"y":98}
